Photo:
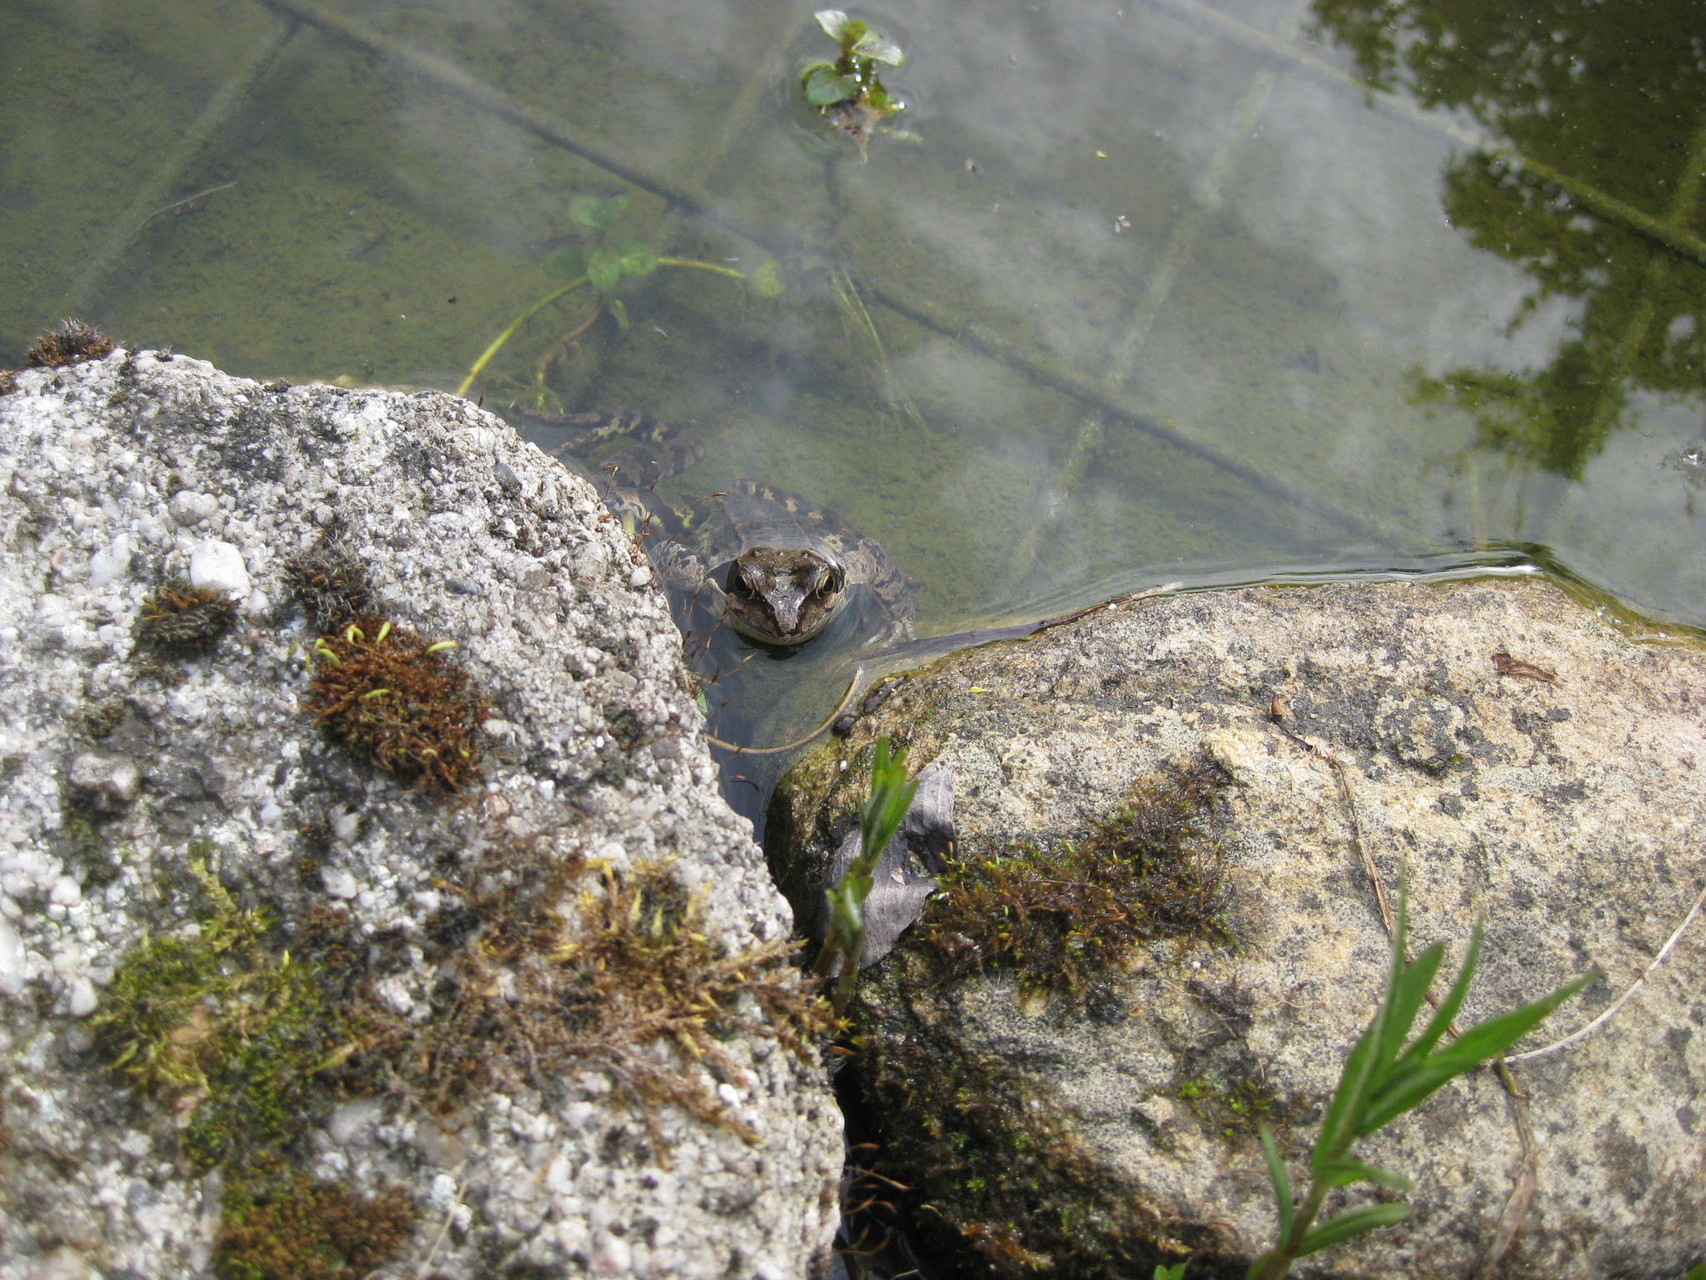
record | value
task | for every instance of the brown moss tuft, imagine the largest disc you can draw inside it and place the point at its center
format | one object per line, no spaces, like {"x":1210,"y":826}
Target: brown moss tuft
{"x":390,"y":697}
{"x":70,"y":343}
{"x":540,"y":975}
{"x":306,"y":1230}
{"x":331,"y":585}
{"x":1060,"y":915}
{"x":184,"y":621}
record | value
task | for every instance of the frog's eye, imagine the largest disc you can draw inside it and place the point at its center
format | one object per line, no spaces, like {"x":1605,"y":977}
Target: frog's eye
{"x":735,"y":583}
{"x":832,"y":583}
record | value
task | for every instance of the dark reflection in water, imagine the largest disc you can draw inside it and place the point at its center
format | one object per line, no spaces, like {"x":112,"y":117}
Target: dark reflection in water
{"x":1615,"y":97}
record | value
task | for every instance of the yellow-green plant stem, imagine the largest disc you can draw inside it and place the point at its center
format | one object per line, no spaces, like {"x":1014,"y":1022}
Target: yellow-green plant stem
{"x":514,"y":326}
{"x":702,"y":266}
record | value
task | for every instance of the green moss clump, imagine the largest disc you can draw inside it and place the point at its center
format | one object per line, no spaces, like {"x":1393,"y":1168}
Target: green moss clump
{"x":952,"y":1115}
{"x":183,"y":621}
{"x":1235,"y":1109}
{"x":299,"y":1229}
{"x":391,"y":698}
{"x":1060,"y":915}
{"x":222,"y":1032}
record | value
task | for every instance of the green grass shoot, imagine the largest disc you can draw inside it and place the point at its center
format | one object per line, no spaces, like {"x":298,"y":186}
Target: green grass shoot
{"x":890,"y":797}
{"x":1383,"y":1078}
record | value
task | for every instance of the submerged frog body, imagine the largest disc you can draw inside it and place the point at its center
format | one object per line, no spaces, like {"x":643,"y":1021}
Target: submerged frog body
{"x":779,"y":569}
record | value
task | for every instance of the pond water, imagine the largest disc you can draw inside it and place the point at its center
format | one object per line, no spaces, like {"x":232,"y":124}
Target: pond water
{"x":1132,"y":291}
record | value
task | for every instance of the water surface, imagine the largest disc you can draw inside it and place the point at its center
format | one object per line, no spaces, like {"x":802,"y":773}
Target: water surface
{"x":1148,"y":291}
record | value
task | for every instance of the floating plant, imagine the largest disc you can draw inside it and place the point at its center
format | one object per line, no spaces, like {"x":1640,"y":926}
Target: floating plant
{"x":849,"y":92}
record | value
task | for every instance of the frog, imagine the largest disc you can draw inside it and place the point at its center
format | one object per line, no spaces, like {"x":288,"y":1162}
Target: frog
{"x":777,"y":568}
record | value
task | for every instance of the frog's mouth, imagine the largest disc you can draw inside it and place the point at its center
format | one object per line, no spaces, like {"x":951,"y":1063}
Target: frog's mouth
{"x":781,"y":596}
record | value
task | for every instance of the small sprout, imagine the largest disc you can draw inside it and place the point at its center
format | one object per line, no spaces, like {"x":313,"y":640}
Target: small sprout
{"x":443,"y":646}
{"x":71,"y":343}
{"x":1382,"y":1079}
{"x":891,"y":795}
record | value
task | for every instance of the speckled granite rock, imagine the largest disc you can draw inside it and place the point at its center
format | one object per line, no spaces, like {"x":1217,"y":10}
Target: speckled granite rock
{"x":1568,"y":814}
{"x":125,"y":771}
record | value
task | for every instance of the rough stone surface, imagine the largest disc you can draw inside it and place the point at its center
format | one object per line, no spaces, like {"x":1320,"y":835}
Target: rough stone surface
{"x":1568,"y":814}
{"x":117,"y":766}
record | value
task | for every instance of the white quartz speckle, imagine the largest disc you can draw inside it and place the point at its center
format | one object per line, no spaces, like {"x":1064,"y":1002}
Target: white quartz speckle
{"x":218,"y":566}
{"x":112,"y":561}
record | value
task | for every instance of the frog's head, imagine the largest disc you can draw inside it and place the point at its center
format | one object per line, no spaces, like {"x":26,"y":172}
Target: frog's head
{"x":782,"y":595}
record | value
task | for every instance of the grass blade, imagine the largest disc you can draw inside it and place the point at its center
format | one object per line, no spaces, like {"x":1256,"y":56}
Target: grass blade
{"x":1408,"y":992}
{"x":1483,"y":1041}
{"x":1356,"y":1083}
{"x":1353,"y":1222}
{"x":1342,"y":1173}
{"x":1283,"y":1199}
{"x":1441,"y":1021}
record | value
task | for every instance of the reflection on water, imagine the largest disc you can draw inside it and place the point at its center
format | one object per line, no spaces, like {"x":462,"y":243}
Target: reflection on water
{"x":1179,"y":289}
{"x":1589,"y":91}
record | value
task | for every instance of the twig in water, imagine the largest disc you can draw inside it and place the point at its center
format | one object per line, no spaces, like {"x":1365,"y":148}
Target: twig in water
{"x":203,"y":194}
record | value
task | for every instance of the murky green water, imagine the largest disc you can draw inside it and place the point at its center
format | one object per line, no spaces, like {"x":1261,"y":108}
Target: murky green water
{"x":1169,"y":290}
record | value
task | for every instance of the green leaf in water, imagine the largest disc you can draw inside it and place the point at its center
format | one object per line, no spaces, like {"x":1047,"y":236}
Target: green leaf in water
{"x":611,"y":211}
{"x":825,"y":87}
{"x":603,"y":269}
{"x":596,"y":214}
{"x":566,"y":263}
{"x":637,"y":259}
{"x":767,"y":281}
{"x":869,"y":44}
{"x":584,"y":210}
{"x":833,"y":22}
{"x":619,"y":309}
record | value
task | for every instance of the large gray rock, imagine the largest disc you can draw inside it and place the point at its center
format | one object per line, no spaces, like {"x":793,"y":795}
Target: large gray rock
{"x":482,"y":1061}
{"x":1104,"y":1129}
